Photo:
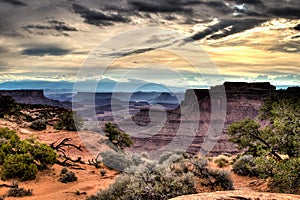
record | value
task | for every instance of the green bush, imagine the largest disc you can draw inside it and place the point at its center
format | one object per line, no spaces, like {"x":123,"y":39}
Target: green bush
{"x":266,"y":166}
{"x":171,"y":157}
{"x":69,"y":121}
{"x":173,"y":175}
{"x":222,"y":161}
{"x":213,"y":179}
{"x":67,"y":177}
{"x":287,"y":177}
{"x":120,"y":161}
{"x":220,"y":180}
{"x":157,"y":183}
{"x":245,"y":166}
{"x":8,"y":106}
{"x":19,"y":192}
{"x":44,"y":155}
{"x":39,"y":125}
{"x":19,"y":166}
{"x":22,"y":158}
{"x":118,"y":138}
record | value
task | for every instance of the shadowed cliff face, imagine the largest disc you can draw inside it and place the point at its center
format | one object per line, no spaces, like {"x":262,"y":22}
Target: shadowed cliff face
{"x":242,"y":100}
{"x":33,"y":97}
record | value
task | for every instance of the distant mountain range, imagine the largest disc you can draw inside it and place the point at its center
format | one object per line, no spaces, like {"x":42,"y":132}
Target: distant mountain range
{"x":104,"y":85}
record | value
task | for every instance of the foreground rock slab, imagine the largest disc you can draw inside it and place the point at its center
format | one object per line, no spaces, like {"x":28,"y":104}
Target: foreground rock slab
{"x":238,"y":195}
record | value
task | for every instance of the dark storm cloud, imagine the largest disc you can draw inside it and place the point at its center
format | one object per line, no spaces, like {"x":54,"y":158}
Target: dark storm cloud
{"x":161,"y":6}
{"x":97,"y":17}
{"x":109,"y":12}
{"x":227,"y":27}
{"x":246,"y":1}
{"x":257,"y":10}
{"x":131,"y":52}
{"x":288,"y":12}
{"x":45,"y":51}
{"x":219,"y":7}
{"x":52,"y":25}
{"x":14,"y":2}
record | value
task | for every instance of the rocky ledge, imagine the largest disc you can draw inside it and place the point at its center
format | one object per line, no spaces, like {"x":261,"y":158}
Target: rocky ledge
{"x":33,"y":97}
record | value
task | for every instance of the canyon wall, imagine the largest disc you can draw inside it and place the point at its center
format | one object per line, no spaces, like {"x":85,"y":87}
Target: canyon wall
{"x":241,"y":100}
{"x":33,"y":97}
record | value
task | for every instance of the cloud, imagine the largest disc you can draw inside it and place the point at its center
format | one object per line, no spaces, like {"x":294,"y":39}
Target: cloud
{"x":217,"y":6}
{"x":289,"y":47}
{"x":289,"y":77}
{"x":247,"y":1}
{"x":58,"y":27}
{"x":131,"y":52}
{"x":3,"y":50}
{"x":45,"y":51}
{"x":161,"y":6}
{"x":262,"y":78}
{"x":98,"y":18}
{"x":14,"y":2}
{"x":288,"y":12}
{"x":226,"y":27}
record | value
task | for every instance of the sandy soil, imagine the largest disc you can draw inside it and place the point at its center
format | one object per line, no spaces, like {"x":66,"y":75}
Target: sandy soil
{"x":46,"y":186}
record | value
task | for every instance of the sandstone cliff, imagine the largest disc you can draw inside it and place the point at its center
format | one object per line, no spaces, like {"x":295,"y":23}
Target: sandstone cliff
{"x":240,"y":100}
{"x":33,"y":97}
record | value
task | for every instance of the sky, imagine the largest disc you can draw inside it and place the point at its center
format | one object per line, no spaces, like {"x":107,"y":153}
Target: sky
{"x":130,"y":43}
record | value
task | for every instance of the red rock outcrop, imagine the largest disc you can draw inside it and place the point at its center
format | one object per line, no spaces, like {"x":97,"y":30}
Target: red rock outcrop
{"x":33,"y":97}
{"x":210,"y":111}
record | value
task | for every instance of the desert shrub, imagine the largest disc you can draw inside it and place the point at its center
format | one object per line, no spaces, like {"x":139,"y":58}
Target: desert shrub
{"x":22,"y":158}
{"x":287,"y":177}
{"x":266,"y":166}
{"x":63,"y":171}
{"x":102,"y":172}
{"x":19,"y":166}
{"x":226,"y":155}
{"x":222,"y":161}
{"x":220,"y":180}
{"x":38,"y":125}
{"x":67,"y":177}
{"x":120,"y":139}
{"x":8,"y":106}
{"x":173,"y":175}
{"x":157,"y":183}
{"x":171,"y":156}
{"x":44,"y":155}
{"x":69,"y":121}
{"x":120,"y":161}
{"x":19,"y":192}
{"x":245,"y":166}
{"x":212,"y":179}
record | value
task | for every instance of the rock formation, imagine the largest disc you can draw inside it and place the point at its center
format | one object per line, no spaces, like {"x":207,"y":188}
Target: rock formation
{"x":240,"y":100}
{"x":33,"y":97}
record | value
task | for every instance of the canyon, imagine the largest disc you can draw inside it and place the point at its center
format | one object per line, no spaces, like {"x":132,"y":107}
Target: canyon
{"x":197,"y":124}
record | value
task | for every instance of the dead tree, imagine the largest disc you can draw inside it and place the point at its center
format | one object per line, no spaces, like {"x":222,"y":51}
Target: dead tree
{"x":60,"y":148}
{"x":95,"y":162}
{"x":14,"y":184}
